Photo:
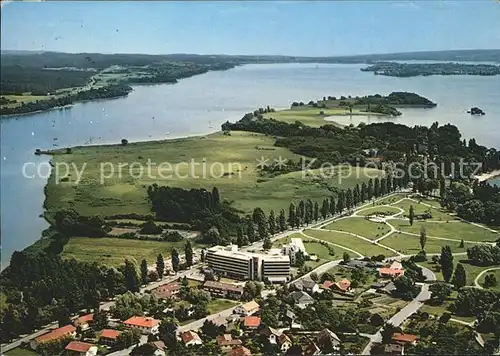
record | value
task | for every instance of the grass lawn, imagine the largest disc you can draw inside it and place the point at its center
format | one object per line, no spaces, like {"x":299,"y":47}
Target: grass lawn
{"x":409,"y":244}
{"x":437,"y":215}
{"x":496,"y":273}
{"x":352,"y":242}
{"x":380,"y":210}
{"x":112,"y":251}
{"x":438,"y":309}
{"x":360,"y":226}
{"x":341,"y":272}
{"x":25,"y":99}
{"x":391,"y":199}
{"x":235,"y":156}
{"x":453,"y":230}
{"x":471,"y":271}
{"x":314,"y":248}
{"x":20,"y":352}
{"x":217,"y":305}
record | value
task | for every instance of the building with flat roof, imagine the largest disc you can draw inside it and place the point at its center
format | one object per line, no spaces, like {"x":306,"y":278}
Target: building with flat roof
{"x":229,"y":261}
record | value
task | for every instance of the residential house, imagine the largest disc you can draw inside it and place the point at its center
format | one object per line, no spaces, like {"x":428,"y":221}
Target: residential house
{"x":239,"y":351}
{"x":394,"y":349}
{"x":343,"y":285}
{"x":291,"y":318}
{"x":223,"y":290}
{"x":402,"y":338}
{"x":109,"y":336}
{"x":327,"y":284}
{"x":310,"y":348}
{"x":220,"y":321}
{"x":247,"y":309}
{"x":251,"y":322}
{"x":277,"y":337}
{"x":78,"y":348}
{"x":226,"y":342}
{"x":56,"y":334}
{"x":302,"y":299}
{"x":158,"y":347}
{"x":328,"y":341}
{"x":84,"y":321}
{"x":393,"y":271}
{"x":306,"y":285}
{"x":190,"y":338}
{"x":166,"y":291}
{"x":146,"y":325}
{"x":388,"y":289}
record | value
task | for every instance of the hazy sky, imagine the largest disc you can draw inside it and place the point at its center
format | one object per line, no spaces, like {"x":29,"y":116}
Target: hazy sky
{"x":265,"y":27}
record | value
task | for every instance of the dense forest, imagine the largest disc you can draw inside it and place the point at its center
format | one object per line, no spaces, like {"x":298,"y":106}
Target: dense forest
{"x":111,"y":91}
{"x":394,"y":69}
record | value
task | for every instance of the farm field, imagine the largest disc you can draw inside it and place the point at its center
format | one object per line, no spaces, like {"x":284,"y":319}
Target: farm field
{"x":236,"y":174}
{"x":360,"y":226}
{"x":352,"y":242}
{"x":453,"y":230}
{"x":113,"y":251}
{"x":408,"y":244}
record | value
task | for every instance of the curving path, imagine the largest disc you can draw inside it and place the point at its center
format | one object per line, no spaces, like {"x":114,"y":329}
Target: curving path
{"x":478,"y":277}
{"x":333,"y":244}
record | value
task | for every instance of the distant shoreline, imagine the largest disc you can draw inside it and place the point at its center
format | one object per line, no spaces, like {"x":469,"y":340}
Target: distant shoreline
{"x":487,"y":176}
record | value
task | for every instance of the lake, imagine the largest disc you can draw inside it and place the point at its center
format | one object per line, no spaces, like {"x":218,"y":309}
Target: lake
{"x":199,"y":105}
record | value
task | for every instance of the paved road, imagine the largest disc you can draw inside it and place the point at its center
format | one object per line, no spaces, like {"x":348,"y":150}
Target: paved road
{"x":398,"y":318}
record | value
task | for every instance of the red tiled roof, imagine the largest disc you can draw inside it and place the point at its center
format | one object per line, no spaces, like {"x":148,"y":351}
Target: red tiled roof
{"x":327,"y":284}
{"x":227,"y":340}
{"x":390,"y":271}
{"x":240,"y":351}
{"x":110,"y":333}
{"x":189,"y":336}
{"x":85,"y":319}
{"x":56,"y":334}
{"x":167,"y":290}
{"x":404,"y":337}
{"x":344,"y":284}
{"x":78,"y":346}
{"x":141,"y":321}
{"x":251,"y":321}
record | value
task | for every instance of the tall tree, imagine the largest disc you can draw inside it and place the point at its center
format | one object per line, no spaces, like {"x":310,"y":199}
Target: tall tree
{"x":215,"y":198}
{"x":291,"y":215}
{"x":341,"y":201}
{"x":251,"y":231}
{"x":349,"y":199}
{"x":383,"y":186}
{"x":267,"y":244}
{"x":325,"y":208}
{"x":363,"y":192}
{"x":144,"y":271}
{"x":442,"y":188}
{"x":262,"y":229}
{"x":369,"y":190}
{"x":131,"y":274}
{"x":460,"y":277}
{"x":258,"y":216}
{"x":446,"y":262}
{"x":316,"y":211}
{"x":302,"y":210}
{"x":175,"y":260}
{"x":188,"y":252}
{"x":356,"y":195}
{"x":272,"y":223}
{"x":423,"y":237}
{"x":376,"y":187}
{"x":282,"y":220}
{"x":411,"y":215}
{"x":333,"y":208}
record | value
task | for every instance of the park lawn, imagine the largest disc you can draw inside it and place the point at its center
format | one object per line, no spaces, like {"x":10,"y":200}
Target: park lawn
{"x":113,"y":251}
{"x":438,"y":309}
{"x":456,"y":230}
{"x":471,"y":271}
{"x":313,"y":248}
{"x":20,"y":352}
{"x":233,"y":160}
{"x":437,"y":214}
{"x":363,"y":247}
{"x":379,"y":210}
{"x":217,"y":305}
{"x":496,"y":273}
{"x":360,"y":226}
{"x":409,"y":244}
{"x":391,"y":199}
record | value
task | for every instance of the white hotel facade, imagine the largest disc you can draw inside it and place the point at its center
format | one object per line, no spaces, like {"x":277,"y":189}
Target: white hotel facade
{"x":229,"y":261}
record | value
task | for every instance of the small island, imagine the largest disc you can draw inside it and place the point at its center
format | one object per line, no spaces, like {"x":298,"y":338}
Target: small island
{"x":475,"y":111}
{"x":393,"y":69}
{"x":367,"y":105}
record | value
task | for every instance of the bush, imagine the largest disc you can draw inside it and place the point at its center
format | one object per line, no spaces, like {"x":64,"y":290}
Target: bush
{"x":172,"y":236}
{"x":150,"y":228}
{"x":124,"y":141}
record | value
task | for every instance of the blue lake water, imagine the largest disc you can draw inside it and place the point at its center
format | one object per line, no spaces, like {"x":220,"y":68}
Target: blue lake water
{"x":199,"y":105}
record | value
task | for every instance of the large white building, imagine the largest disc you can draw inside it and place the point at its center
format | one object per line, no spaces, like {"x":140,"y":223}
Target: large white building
{"x":293,"y":247}
{"x":229,"y":261}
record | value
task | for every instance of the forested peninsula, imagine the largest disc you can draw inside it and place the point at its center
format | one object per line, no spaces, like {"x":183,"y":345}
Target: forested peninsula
{"x":393,"y":69}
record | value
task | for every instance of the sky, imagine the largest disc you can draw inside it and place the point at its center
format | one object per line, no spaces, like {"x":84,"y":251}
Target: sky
{"x":307,"y":28}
